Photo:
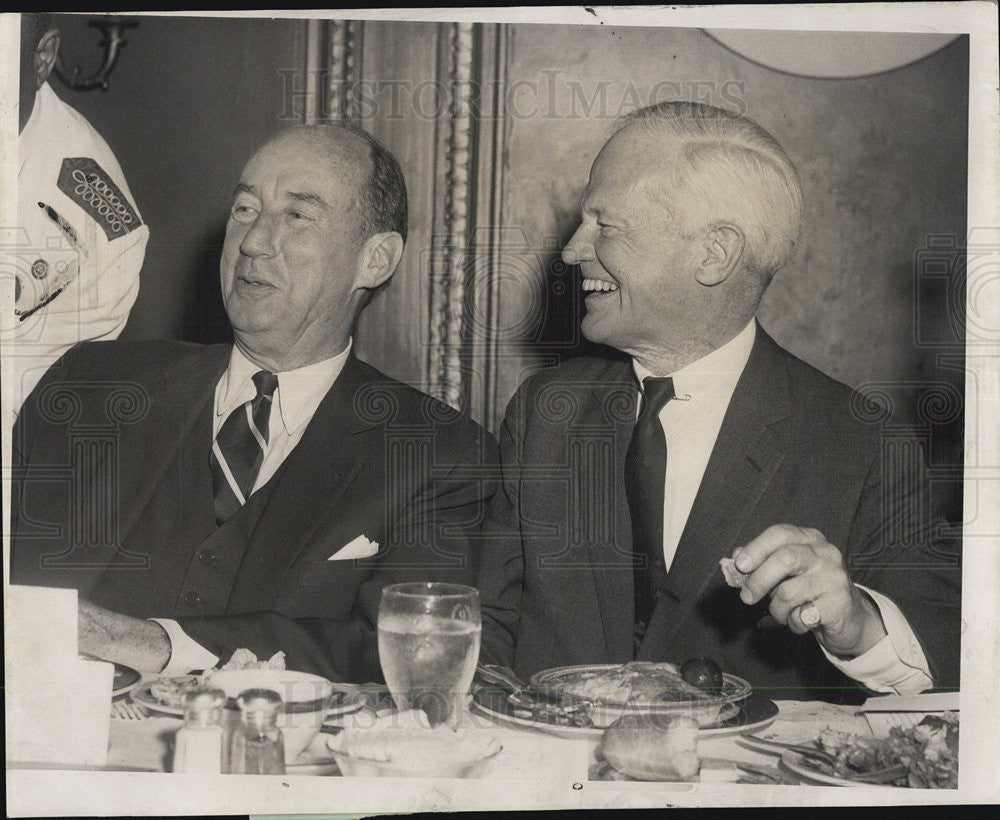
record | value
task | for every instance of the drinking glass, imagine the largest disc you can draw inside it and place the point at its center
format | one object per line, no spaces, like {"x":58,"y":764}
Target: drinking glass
{"x":428,"y":645}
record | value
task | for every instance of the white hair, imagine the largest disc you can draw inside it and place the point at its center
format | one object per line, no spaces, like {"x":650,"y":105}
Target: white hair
{"x":735,"y":171}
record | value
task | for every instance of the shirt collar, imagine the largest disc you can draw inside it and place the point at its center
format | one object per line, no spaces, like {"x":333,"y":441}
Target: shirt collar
{"x":298,"y":394}
{"x":717,"y":372}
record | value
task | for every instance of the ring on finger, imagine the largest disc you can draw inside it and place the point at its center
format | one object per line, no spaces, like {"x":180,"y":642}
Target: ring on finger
{"x":809,"y":615}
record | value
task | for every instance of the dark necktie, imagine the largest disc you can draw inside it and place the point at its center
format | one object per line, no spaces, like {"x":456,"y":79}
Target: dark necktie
{"x":645,"y":467}
{"x":239,"y":448}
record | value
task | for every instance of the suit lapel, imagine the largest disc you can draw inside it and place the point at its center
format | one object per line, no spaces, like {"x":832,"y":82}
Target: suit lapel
{"x":330,"y":453}
{"x":748,"y":451}
{"x":179,"y":398}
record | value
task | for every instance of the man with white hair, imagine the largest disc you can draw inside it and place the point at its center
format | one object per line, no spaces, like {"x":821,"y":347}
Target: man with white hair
{"x":627,"y":482}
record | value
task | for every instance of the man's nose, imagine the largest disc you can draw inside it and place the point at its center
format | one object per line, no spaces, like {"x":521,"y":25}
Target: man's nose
{"x":580,"y":247}
{"x":259,"y":240}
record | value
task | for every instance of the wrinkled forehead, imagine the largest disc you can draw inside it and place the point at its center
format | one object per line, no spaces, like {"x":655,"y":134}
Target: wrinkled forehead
{"x":323,"y":158}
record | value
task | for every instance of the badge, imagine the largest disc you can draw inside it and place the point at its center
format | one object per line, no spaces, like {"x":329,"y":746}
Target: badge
{"x":91,"y":187}
{"x":39,"y":268}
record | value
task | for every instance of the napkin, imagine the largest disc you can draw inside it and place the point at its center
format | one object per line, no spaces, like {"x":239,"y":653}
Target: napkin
{"x":58,"y":706}
{"x":906,"y":711}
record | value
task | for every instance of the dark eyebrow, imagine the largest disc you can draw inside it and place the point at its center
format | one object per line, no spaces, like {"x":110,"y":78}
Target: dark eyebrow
{"x":243,"y":188}
{"x":310,"y":199}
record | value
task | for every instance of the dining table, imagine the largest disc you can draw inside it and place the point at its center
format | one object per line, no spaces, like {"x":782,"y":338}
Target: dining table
{"x":528,"y":753}
{"x":534,"y":769}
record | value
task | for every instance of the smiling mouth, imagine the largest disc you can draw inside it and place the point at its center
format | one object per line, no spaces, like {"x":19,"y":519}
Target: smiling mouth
{"x":251,"y":282}
{"x":598,"y":286}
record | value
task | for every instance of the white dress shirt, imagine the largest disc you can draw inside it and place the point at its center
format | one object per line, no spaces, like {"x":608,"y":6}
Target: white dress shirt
{"x":295,"y":400}
{"x":691,"y":424}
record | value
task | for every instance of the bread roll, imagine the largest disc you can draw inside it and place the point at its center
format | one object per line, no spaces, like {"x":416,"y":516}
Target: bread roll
{"x":733,"y":576}
{"x":650,"y":747}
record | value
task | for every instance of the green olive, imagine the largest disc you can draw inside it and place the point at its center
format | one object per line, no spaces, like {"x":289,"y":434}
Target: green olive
{"x":703,"y":673}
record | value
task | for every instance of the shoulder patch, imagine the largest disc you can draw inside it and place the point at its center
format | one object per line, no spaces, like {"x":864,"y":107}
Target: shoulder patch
{"x":91,"y":187}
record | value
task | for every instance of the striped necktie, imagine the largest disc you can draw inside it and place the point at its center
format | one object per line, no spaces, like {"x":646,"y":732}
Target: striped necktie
{"x":645,"y":470}
{"x":238,"y":449}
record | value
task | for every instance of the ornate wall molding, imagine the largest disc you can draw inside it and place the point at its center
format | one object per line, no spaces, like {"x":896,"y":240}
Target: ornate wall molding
{"x":346,"y":43}
{"x":464,"y":338}
{"x":333,"y":70}
{"x":450,"y":261}
{"x":457,"y":159}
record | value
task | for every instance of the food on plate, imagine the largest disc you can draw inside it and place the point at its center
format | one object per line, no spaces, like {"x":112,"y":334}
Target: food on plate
{"x":170,"y":691}
{"x":928,"y":751}
{"x":637,"y":683}
{"x":245,"y":659}
{"x":596,"y":696}
{"x":562,"y":713}
{"x":733,"y":576}
{"x":703,"y":673}
{"x":649,"y":748}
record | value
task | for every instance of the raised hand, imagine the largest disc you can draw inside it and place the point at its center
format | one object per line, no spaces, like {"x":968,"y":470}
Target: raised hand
{"x":810,"y":589}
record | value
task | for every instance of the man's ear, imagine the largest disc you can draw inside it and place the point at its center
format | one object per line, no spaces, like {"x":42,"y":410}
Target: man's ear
{"x":723,"y":250}
{"x":378,"y":259}
{"x":46,"y":55}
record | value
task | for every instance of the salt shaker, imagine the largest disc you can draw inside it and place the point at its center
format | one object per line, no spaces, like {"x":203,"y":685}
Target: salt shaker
{"x":257,"y":746}
{"x":198,"y":743}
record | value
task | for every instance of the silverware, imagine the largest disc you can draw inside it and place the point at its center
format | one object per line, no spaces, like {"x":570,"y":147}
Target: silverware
{"x":504,"y":676}
{"x":886,"y":775}
{"x":126,"y":710}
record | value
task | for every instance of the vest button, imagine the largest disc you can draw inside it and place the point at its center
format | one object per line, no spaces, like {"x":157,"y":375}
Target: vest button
{"x":207,"y":557}
{"x":192,"y":598}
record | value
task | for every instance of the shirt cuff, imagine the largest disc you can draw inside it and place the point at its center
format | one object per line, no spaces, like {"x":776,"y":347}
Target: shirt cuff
{"x":186,"y":654}
{"x":896,"y":664}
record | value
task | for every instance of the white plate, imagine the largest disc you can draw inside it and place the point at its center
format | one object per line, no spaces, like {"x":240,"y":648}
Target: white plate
{"x":755,"y":712}
{"x":796,"y":764}
{"x":348,"y":703}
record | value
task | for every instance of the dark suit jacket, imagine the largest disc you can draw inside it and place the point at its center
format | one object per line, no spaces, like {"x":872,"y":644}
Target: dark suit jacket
{"x":112,"y":495}
{"x":794,"y":447}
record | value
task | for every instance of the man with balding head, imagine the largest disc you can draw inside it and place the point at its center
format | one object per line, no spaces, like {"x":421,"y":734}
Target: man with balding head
{"x":627,"y":482}
{"x":258,"y":495}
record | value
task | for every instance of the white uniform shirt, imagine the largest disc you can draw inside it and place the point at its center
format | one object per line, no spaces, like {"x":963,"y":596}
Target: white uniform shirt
{"x":691,"y":424}
{"x":296,"y":398}
{"x":77,"y":248}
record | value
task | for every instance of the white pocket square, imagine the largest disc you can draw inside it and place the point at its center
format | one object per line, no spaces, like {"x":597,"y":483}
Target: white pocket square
{"x":360,"y":547}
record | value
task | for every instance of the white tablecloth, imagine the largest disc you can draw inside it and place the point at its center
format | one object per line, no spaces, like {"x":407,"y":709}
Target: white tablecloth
{"x":528,"y":754}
